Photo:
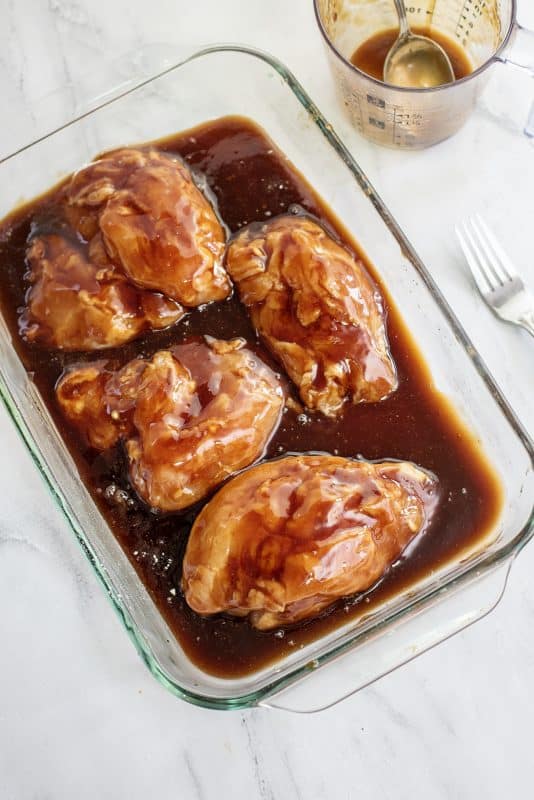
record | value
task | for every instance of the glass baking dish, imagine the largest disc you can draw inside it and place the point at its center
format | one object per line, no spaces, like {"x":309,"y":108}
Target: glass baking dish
{"x":215,"y":82}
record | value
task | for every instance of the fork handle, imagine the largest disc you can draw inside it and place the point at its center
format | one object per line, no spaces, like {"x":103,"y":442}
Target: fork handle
{"x":527,"y":322}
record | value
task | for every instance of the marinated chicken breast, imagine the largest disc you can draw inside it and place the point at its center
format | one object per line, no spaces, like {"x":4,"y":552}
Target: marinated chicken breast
{"x":317,"y":309}
{"x":189,"y":417}
{"x":81,"y":302}
{"x":283,"y":540}
{"x":155,"y":223}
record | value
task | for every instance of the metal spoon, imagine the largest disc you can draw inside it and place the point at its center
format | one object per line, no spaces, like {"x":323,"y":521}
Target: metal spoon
{"x":416,"y":61}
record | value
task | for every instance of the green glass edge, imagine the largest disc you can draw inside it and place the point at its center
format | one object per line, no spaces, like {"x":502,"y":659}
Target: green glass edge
{"x":483,"y":566}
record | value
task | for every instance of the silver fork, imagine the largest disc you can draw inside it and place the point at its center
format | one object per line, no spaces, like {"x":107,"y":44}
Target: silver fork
{"x":496,"y":277}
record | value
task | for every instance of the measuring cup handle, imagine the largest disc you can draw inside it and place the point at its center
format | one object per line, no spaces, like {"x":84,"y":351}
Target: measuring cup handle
{"x":520,"y":51}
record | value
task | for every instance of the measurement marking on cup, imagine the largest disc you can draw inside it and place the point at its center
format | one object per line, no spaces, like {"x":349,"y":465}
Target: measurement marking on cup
{"x":376,"y":101}
{"x":353,"y":103}
{"x":377,"y":123}
{"x":419,"y":10}
{"x":469,"y":13}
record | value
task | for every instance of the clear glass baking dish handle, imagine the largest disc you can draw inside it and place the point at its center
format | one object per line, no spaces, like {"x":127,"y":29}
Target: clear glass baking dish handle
{"x":451,"y":610}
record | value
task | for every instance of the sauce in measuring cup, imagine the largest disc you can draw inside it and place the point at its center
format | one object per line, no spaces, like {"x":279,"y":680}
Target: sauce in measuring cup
{"x":371,"y":54}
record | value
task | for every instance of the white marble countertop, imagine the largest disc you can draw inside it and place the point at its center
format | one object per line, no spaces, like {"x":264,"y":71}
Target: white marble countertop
{"x":80,"y":716}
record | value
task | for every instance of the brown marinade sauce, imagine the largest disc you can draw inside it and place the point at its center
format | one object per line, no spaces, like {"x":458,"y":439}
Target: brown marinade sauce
{"x":371,"y":55}
{"x":250,"y":180}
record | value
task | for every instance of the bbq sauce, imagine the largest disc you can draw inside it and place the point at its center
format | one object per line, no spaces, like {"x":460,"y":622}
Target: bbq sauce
{"x":248,"y":180}
{"x":371,"y":55}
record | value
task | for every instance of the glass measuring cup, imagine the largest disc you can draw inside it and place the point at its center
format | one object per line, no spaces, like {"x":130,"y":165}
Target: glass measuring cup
{"x":414,"y":118}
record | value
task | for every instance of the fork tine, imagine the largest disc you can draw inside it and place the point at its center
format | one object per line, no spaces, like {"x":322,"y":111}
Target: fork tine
{"x":500,"y":258}
{"x":488,"y":259}
{"x":470,"y":253}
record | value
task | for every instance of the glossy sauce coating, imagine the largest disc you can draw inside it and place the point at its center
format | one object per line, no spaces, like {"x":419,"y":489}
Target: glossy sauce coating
{"x":155,"y":224}
{"x":371,"y":54}
{"x":283,"y":540}
{"x":79,"y":300}
{"x":316,"y":309}
{"x":189,"y":417}
{"x":252,"y":181}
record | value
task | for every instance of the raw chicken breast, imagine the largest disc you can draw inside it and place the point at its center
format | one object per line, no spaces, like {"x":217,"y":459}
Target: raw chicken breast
{"x":156,"y":224}
{"x":283,"y":540}
{"x":79,"y":302}
{"x":190,"y":417}
{"x":317,"y":309}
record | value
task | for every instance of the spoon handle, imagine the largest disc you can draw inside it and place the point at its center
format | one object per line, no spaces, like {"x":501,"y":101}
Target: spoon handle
{"x":403,"y":21}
